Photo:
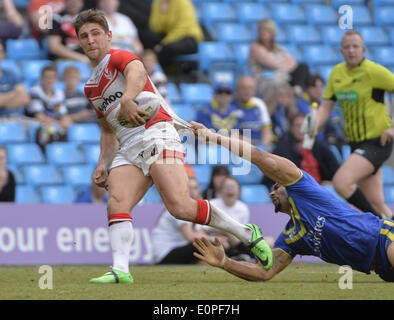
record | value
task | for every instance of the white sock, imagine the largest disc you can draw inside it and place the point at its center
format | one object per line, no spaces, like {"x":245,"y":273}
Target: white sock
{"x":222,"y":221}
{"x":121,"y":236}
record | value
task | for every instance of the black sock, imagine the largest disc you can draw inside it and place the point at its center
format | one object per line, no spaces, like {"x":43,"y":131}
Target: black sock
{"x":358,"y":200}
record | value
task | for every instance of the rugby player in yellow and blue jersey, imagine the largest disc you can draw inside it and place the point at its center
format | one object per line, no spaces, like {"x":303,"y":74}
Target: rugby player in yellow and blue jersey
{"x":319,"y":224}
{"x":359,"y":85}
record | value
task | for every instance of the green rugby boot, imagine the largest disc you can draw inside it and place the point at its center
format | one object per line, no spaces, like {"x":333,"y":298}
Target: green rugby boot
{"x":113,"y":276}
{"x":260,"y":247}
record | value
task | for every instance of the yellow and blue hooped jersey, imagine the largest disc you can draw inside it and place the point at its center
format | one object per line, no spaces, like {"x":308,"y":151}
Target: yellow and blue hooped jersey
{"x":323,"y":226}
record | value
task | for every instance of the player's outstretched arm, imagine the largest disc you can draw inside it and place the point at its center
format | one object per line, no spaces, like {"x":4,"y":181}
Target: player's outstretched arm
{"x":215,"y":256}
{"x":276,"y":168}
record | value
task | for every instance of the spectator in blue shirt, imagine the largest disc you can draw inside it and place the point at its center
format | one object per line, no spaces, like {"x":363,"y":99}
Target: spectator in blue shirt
{"x":13,"y":95}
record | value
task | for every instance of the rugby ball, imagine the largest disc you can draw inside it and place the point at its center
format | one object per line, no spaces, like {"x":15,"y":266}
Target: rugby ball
{"x":146,"y":101}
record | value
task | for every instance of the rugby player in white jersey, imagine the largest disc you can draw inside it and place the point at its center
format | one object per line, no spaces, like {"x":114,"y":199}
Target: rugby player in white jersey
{"x":131,"y":159}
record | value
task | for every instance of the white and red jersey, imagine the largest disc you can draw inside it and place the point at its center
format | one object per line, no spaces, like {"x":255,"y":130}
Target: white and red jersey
{"x":104,"y":89}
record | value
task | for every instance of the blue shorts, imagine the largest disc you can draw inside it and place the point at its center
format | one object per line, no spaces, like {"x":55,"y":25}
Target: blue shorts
{"x":382,"y":264}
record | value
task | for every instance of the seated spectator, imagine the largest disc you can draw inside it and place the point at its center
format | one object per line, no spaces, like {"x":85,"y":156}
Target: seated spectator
{"x":94,"y":194}
{"x":63,"y":42}
{"x":11,"y":21}
{"x":219,"y":114}
{"x":229,"y":201}
{"x":177,"y":22}
{"x":266,"y":55}
{"x":218,"y":175}
{"x":253,"y":112}
{"x":39,"y":25}
{"x":155,"y":72}
{"x":13,"y":95}
{"x":172,"y":238}
{"x":320,"y":162}
{"x":124,"y":32}
{"x":7,"y":179}
{"x":78,"y":107}
{"x":47,"y":106}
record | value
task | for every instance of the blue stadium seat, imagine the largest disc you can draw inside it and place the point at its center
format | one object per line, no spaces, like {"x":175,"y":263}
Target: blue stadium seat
{"x":388,"y":174}
{"x":251,"y":12}
{"x":213,"y":12}
{"x":64,"y":153}
{"x":303,"y":34}
{"x":384,"y":56}
{"x":232,"y":32}
{"x":91,"y":152}
{"x":325,"y":71}
{"x":361,"y":16}
{"x":42,"y":174}
{"x":307,"y":1}
{"x":203,"y":173}
{"x":32,"y":70}
{"x":284,"y":13}
{"x":24,"y":153}
{"x":242,"y":56}
{"x":337,"y":3}
{"x":294,"y":51}
{"x":18,"y":174}
{"x":57,"y":194}
{"x":173,"y":92}
{"x":213,"y":154}
{"x":187,"y":114}
{"x":254,"y":194}
{"x":196,"y":93}
{"x":84,"y":133}
{"x":223,"y":74}
{"x":332,"y":35}
{"x":320,"y":14}
{"x":12,"y":132}
{"x":389,"y":194}
{"x":383,"y":15}
{"x":19,"y":49}
{"x":320,"y":55}
{"x":391,"y":34}
{"x":346,"y":151}
{"x":255,"y":176}
{"x":152,"y":196}
{"x":213,"y":52}
{"x":78,"y":176}
{"x":374,"y":36}
{"x":84,"y":68}
{"x":11,"y":66}
{"x":26,"y":194}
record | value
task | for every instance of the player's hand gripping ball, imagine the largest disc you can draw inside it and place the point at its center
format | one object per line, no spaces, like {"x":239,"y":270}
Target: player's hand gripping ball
{"x":146,"y":101}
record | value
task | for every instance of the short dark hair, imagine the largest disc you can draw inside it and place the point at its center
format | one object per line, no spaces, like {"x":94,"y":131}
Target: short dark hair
{"x":91,"y":16}
{"x":48,"y":68}
{"x":312,"y":79}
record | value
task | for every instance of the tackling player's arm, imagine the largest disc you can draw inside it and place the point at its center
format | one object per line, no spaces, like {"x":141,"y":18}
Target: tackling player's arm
{"x":276,"y":168}
{"x":215,"y":256}
{"x":109,"y":146}
{"x":136,"y":77}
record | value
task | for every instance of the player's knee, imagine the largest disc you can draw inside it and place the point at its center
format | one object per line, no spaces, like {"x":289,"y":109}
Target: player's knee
{"x":179,"y":209}
{"x":340,"y":185}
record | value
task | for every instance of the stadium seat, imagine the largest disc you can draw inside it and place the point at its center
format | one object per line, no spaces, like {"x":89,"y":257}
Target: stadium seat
{"x":300,"y":2}
{"x":383,"y":15}
{"x":11,"y":66}
{"x":388,"y":175}
{"x":26,"y":194}
{"x":196,"y":93}
{"x":84,"y":133}
{"x":84,"y":68}
{"x":213,"y":52}
{"x":250,"y":12}
{"x":18,"y":174}
{"x":173,"y":92}
{"x":374,"y":36}
{"x":389,"y":194}
{"x":284,"y":13}
{"x":384,"y":56}
{"x":294,"y":51}
{"x":152,"y":196}
{"x":254,"y":176}
{"x":213,"y":154}
{"x":320,"y":14}
{"x":24,"y":153}
{"x":232,"y":32}
{"x":214,"y":12}
{"x":255,"y":194}
{"x":32,"y":70}
{"x":337,"y":3}
{"x":325,"y":71}
{"x":64,"y":153}
{"x":303,"y":34}
{"x":19,"y":49}
{"x":187,"y":114}
{"x":242,"y":56}
{"x":91,"y":152}
{"x":57,"y":194}
{"x":346,"y":151}
{"x":12,"y":132}
{"x":361,"y":16}
{"x":78,"y":176}
{"x":203,"y":173}
{"x":223,"y":74}
{"x":320,"y":55}
{"x":42,"y":174}
{"x":332,"y":35}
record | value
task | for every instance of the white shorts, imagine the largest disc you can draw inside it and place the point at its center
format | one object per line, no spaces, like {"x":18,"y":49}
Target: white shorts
{"x":160,"y":141}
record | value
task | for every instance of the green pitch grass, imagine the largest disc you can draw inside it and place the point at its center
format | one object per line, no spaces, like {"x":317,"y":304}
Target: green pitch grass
{"x":298,"y":281}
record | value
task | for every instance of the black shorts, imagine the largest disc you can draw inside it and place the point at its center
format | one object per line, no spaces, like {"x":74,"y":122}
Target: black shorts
{"x":373,"y":151}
